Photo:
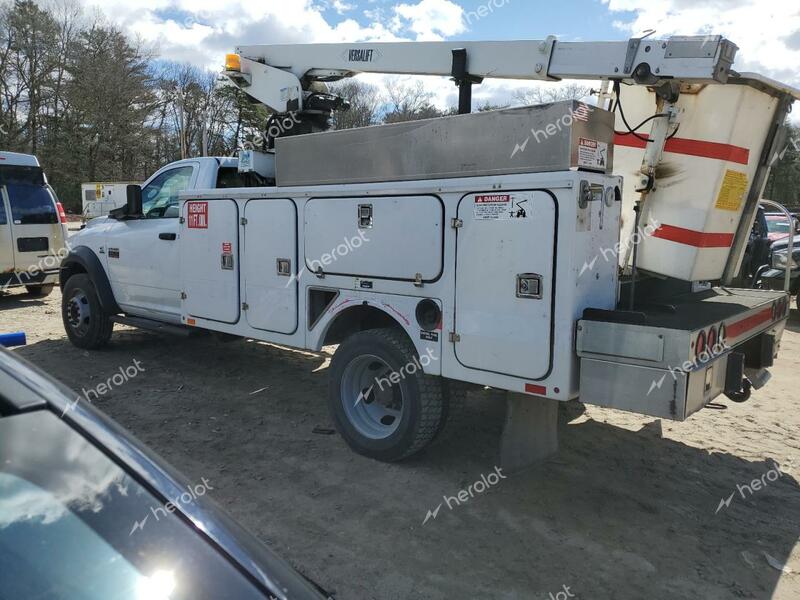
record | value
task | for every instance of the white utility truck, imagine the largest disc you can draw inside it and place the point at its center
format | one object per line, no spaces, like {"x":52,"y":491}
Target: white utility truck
{"x":498,"y":248}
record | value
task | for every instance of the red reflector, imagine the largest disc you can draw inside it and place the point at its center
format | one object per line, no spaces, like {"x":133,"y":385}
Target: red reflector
{"x":531,"y":388}
{"x":700,"y":344}
{"x":712,"y":341}
{"x":62,"y":216}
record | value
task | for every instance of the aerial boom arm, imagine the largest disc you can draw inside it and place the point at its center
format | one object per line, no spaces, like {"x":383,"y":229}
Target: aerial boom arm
{"x":277,"y":75}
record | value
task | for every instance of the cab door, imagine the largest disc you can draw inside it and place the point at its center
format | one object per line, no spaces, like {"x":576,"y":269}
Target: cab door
{"x":504,"y":282}
{"x":143,"y":254}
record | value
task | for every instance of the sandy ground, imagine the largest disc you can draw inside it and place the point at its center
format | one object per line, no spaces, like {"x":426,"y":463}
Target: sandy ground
{"x":627,"y":510}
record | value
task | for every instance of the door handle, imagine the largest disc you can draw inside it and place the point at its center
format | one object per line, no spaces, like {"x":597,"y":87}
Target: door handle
{"x":168,"y":236}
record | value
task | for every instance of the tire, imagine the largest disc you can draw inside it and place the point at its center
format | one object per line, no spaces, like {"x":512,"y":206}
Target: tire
{"x":454,"y":401}
{"x":393,"y":422}
{"x":39,"y":291}
{"x":87,"y":325}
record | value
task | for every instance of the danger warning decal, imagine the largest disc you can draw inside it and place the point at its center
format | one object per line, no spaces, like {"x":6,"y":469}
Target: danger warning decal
{"x":197,"y":215}
{"x":497,"y":207}
{"x":592,"y":154}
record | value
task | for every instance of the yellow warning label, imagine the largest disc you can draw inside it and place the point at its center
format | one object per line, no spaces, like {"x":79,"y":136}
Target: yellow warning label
{"x":731,"y":194}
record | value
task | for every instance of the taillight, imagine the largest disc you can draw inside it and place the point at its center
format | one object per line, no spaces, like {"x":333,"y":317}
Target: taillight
{"x":62,"y":216}
{"x":700,"y":344}
{"x":711,"y":341}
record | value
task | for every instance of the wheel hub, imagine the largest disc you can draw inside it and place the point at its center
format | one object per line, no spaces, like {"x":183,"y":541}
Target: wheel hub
{"x":371,"y":402}
{"x":79,"y":312}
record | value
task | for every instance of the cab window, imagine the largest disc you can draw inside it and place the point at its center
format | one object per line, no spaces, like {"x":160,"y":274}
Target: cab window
{"x":160,"y":196}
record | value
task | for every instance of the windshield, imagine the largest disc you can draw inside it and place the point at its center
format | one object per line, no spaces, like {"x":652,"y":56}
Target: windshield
{"x":778,"y":225}
{"x":75,"y":526}
{"x":31,"y":204}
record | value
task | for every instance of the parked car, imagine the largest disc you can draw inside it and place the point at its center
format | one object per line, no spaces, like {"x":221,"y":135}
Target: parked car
{"x":33,"y":229}
{"x":770,"y":231}
{"x":778,"y":227}
{"x":87,"y":512}
{"x":773,"y":278}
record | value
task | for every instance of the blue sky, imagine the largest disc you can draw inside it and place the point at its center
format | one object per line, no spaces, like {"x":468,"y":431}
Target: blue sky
{"x":202,"y":31}
{"x":516,"y":19}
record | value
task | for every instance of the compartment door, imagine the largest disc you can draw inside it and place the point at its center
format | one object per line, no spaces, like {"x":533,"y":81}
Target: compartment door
{"x":270,"y":265}
{"x":504,"y":282}
{"x":209,"y":251}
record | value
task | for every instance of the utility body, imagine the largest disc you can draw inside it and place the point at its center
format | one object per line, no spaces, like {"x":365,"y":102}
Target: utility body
{"x":475,"y":249}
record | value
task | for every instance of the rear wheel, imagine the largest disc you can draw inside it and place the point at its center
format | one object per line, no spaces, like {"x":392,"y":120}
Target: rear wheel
{"x":381,"y":402}
{"x":87,"y":325}
{"x":39,"y":291}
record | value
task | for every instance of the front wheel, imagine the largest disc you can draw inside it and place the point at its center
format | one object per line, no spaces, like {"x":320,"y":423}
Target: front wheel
{"x":381,"y":402}
{"x":87,"y":325}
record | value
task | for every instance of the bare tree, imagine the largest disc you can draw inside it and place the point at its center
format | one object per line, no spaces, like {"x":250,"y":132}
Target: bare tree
{"x":545,"y":94}
{"x":409,"y":102}
{"x":365,"y":101}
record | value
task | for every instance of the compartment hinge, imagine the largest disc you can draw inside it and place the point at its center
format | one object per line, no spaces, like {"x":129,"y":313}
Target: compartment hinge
{"x":182,"y":220}
{"x":418,"y":280}
{"x":183,"y":296}
{"x":245,"y":306}
{"x":456,"y":223}
{"x":454,"y":337}
{"x":243,"y":221}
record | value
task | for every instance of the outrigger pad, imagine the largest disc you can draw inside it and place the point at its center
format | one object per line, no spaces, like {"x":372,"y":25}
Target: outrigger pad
{"x":530,"y":434}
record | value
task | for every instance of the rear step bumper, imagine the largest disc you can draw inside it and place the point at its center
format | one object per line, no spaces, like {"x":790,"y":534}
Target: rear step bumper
{"x":646,"y":364}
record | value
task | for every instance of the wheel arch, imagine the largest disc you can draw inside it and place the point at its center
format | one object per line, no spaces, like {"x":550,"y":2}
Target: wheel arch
{"x":354,"y":319}
{"x":83,"y":260}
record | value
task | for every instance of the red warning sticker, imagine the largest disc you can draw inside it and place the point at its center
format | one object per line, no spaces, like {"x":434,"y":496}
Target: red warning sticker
{"x":197,"y":215}
{"x":227,"y":248}
{"x":489,"y":198}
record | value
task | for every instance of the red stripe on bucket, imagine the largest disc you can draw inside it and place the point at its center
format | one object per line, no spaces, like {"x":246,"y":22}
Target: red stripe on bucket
{"x":690,"y":237}
{"x":689,"y":147}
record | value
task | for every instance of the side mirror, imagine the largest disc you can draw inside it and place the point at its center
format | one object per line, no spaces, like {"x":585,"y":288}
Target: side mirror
{"x":133,"y":206}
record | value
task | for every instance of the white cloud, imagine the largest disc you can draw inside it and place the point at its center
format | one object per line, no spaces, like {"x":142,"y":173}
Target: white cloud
{"x":766,"y":31}
{"x":431,"y":20}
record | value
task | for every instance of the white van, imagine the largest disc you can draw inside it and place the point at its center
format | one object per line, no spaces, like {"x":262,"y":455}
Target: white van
{"x":33,"y":229}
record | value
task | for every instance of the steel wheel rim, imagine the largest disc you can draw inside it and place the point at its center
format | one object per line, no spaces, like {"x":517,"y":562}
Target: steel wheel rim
{"x":79,"y":312}
{"x":372,"y":404}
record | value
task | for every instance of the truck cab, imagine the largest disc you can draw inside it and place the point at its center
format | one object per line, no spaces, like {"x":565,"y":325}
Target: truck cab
{"x":140,"y":256}
{"x":32,"y":226}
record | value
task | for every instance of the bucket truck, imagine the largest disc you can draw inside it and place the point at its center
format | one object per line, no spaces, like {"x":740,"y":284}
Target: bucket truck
{"x":556,"y":252}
